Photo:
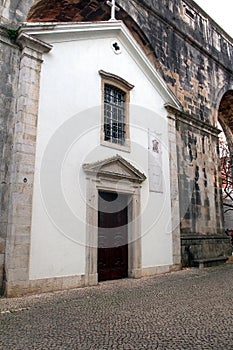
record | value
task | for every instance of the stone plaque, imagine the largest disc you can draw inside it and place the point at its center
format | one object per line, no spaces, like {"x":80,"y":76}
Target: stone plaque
{"x":155,"y":162}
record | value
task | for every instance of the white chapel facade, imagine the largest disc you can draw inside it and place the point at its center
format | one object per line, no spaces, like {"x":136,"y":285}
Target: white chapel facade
{"x":105,"y":190}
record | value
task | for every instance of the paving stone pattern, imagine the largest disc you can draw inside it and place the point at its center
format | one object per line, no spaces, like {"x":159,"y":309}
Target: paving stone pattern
{"x":190,"y":309}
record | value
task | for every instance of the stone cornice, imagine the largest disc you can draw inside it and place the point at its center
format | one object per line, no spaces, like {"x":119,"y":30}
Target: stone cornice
{"x":190,"y":120}
{"x":25,"y":40}
{"x":114,"y":78}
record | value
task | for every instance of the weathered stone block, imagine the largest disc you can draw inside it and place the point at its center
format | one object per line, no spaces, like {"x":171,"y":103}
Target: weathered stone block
{"x":2,"y":245}
{"x":17,"y":274}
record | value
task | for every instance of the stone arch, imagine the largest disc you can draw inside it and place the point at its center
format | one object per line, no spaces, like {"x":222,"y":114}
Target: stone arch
{"x":14,"y":12}
{"x":225,"y":118}
{"x":89,"y":11}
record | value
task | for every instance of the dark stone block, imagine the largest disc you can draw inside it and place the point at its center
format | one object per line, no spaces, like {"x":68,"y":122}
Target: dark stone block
{"x":210,"y":248}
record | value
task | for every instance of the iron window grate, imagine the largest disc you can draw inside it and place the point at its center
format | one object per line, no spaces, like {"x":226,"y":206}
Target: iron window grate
{"x":114,"y":114}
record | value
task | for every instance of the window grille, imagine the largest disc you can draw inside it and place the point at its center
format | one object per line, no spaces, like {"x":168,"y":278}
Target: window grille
{"x":114,"y":114}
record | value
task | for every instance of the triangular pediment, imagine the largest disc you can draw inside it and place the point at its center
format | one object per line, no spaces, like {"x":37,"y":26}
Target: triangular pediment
{"x":94,"y":30}
{"x":115,"y":167}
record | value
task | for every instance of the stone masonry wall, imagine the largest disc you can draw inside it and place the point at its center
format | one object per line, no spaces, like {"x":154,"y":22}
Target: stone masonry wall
{"x":9,"y":62}
{"x":23,"y":165}
{"x":198,"y":181}
{"x":200,"y":197}
{"x":13,"y":12}
{"x":195,"y":55}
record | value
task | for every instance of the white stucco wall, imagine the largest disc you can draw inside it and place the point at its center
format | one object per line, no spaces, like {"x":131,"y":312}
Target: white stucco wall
{"x":69,"y":135}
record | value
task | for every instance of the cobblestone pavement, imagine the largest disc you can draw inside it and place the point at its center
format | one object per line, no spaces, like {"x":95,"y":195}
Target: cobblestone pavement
{"x":189,"y":309}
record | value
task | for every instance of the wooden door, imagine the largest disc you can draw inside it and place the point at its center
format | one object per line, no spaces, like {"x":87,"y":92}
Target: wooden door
{"x":112,"y":236}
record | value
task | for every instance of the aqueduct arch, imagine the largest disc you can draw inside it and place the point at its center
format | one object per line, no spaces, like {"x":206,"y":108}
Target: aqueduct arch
{"x":194,"y":57}
{"x":225,"y":114}
{"x":225,"y":117}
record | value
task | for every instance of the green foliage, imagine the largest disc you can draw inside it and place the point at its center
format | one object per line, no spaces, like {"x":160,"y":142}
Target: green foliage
{"x":12,"y":33}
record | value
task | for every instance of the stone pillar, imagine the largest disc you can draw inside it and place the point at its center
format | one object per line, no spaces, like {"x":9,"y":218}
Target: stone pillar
{"x":135,"y":235}
{"x":91,"y":277}
{"x":23,"y":166}
{"x":175,"y":224}
{"x":9,"y":63}
{"x":202,"y":235}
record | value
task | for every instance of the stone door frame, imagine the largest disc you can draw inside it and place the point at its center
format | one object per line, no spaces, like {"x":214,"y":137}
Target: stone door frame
{"x":120,"y":183}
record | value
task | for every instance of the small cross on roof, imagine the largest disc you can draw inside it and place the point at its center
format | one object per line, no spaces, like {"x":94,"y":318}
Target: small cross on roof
{"x":114,"y":8}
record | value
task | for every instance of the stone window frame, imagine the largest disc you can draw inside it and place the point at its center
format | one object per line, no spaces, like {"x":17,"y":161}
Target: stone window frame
{"x":120,"y":83}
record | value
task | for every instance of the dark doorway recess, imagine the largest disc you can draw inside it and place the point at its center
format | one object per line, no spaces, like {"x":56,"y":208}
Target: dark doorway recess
{"x":112,"y":236}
